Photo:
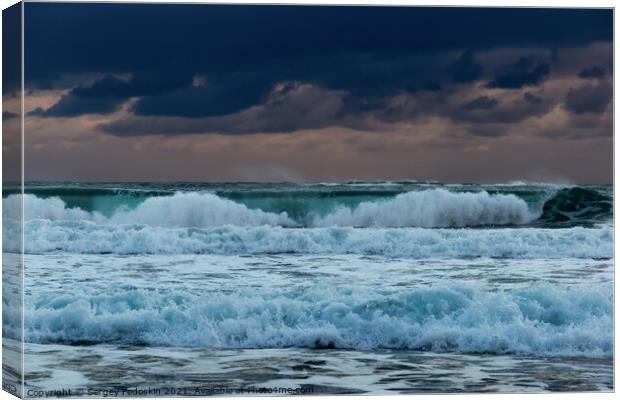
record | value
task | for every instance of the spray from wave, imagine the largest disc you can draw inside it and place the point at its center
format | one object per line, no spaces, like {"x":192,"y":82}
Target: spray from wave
{"x":429,"y":208}
{"x":179,"y":210}
{"x":437,"y":208}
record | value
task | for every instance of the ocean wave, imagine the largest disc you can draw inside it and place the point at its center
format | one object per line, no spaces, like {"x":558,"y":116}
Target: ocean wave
{"x":43,"y":236}
{"x":569,"y":205}
{"x":432,"y":209}
{"x":179,"y":210}
{"x":540,"y":320}
{"x":428,"y":208}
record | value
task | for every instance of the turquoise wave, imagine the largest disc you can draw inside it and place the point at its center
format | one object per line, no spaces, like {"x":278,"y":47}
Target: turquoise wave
{"x":553,"y":205}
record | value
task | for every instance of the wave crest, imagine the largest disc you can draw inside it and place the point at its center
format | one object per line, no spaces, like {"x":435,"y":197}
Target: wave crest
{"x":179,"y":210}
{"x":434,"y":208}
{"x":87,"y":237}
{"x":541,"y":320}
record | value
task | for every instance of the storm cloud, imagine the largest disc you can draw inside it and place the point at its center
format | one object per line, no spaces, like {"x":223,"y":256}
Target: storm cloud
{"x":199,"y":61}
{"x":521,"y":73}
{"x":588,"y":99}
{"x":595,"y":72}
{"x":299,"y":79}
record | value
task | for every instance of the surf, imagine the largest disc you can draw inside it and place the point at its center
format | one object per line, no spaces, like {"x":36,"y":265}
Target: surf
{"x":435,"y":208}
{"x":86,"y":237}
{"x":543,"y":320}
{"x":345,"y":204}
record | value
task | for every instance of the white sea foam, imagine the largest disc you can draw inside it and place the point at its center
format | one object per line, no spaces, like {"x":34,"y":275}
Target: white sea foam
{"x":43,"y":236}
{"x":202,"y":223}
{"x":434,"y":208}
{"x":541,"y":320}
{"x":196,"y":210}
{"x":179,"y":210}
{"x":53,"y":209}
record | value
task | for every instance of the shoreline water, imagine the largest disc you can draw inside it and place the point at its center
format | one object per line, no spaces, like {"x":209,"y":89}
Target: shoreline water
{"x":91,"y":370}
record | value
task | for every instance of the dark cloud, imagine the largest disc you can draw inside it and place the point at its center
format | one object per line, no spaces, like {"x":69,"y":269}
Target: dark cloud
{"x":144,"y":83}
{"x":488,"y":111}
{"x":6,"y":115}
{"x":370,"y":75}
{"x":37,"y":112}
{"x":289,"y":107}
{"x":232,"y":69}
{"x":71,"y":105}
{"x":481,"y":103}
{"x":554,"y":55}
{"x":295,"y":106}
{"x":466,"y":69}
{"x":490,"y":130}
{"x":595,"y":72}
{"x":212,"y":97}
{"x":107,"y":94}
{"x":520,"y":74}
{"x":532,"y":98}
{"x":76,"y":38}
{"x":432,"y":86}
{"x":368,"y":79}
{"x":588,"y":99}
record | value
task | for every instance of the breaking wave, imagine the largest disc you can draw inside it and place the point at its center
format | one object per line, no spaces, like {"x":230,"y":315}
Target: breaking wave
{"x":204,"y":223}
{"x":43,"y":236}
{"x":434,"y":209}
{"x":540,"y":320}
{"x":429,"y":208}
{"x":179,"y":210}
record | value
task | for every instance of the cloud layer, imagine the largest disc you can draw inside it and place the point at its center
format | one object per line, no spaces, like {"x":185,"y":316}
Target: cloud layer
{"x":434,"y":78}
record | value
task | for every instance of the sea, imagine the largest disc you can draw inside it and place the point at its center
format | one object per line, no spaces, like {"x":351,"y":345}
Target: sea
{"x":360,"y":287}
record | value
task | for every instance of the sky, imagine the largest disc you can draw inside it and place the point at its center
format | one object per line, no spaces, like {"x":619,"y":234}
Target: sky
{"x":152,"y":92}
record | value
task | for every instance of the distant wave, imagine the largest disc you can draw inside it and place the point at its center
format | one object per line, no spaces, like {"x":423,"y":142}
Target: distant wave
{"x":434,"y":208}
{"x":541,"y":320}
{"x":179,"y":210}
{"x":43,"y":236}
{"x":306,"y":206}
{"x":428,"y":208}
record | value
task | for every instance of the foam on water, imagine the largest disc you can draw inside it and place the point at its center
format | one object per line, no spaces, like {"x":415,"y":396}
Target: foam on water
{"x":428,"y":208}
{"x":42,"y":236}
{"x":179,"y":210}
{"x":305,"y":206}
{"x":434,"y":208}
{"x":343,"y":299}
{"x":540,"y":320}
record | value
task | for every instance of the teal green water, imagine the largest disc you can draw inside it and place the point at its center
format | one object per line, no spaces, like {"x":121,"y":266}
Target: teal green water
{"x":558,"y":205}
